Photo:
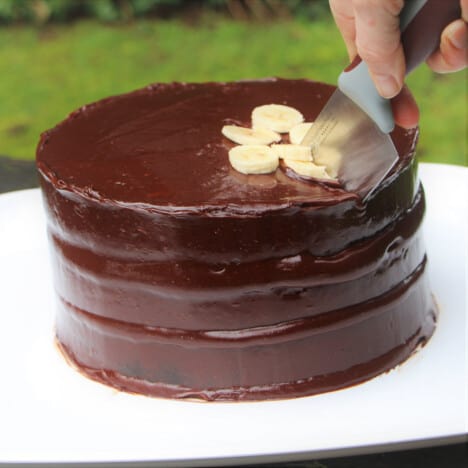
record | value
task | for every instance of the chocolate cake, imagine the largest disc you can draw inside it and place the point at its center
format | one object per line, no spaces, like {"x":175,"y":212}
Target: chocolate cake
{"x":178,"y":276}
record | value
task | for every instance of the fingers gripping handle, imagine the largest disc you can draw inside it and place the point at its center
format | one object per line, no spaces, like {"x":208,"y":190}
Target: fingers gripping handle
{"x":421,"y":23}
{"x":421,"y":36}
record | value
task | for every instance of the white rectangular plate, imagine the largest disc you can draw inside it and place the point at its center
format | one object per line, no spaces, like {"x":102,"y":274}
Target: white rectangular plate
{"x":50,"y":413}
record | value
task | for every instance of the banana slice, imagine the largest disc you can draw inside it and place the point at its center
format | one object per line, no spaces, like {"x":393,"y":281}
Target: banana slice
{"x":308,"y":169}
{"x":253,"y":159}
{"x":295,"y":152}
{"x":331,"y":159}
{"x":276,"y":117}
{"x":298,"y":132}
{"x":248,"y":136}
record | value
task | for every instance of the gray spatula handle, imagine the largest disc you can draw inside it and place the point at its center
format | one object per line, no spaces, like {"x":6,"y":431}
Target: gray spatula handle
{"x":421,"y":23}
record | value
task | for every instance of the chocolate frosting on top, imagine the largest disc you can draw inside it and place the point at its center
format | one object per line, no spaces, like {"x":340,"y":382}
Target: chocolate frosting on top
{"x":162,"y":146}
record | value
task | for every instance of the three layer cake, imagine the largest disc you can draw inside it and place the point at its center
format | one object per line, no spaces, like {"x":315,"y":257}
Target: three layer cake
{"x":178,"y":276}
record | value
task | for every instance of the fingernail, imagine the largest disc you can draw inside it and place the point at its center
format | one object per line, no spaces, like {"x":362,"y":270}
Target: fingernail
{"x":386,"y":85}
{"x":457,"y":37}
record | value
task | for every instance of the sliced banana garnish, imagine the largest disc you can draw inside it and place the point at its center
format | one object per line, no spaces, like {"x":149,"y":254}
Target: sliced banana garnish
{"x":249,"y":136}
{"x":254,"y":156}
{"x":330,"y":158}
{"x":253,"y":159}
{"x":298,"y":132}
{"x":308,"y":169}
{"x":295,"y":152}
{"x":276,"y":117}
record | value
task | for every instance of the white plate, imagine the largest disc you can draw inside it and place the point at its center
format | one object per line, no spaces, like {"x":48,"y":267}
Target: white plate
{"x":50,"y":413}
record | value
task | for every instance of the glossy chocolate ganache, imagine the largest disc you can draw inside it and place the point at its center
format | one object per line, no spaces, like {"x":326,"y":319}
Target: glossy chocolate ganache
{"x":178,"y":276}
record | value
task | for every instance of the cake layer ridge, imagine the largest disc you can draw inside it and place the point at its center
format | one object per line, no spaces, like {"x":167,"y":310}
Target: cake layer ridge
{"x":225,"y":297}
{"x":275,"y":332}
{"x":298,"y":388}
{"x":392,"y":328}
{"x":148,"y":236}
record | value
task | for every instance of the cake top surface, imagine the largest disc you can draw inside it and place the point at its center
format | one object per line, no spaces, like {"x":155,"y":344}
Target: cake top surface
{"x":162,"y":146}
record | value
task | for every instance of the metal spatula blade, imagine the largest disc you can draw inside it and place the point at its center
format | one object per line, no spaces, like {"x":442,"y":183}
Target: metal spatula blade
{"x":346,"y":137}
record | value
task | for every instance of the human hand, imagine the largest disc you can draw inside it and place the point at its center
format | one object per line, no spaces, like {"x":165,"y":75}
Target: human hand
{"x":371,"y":29}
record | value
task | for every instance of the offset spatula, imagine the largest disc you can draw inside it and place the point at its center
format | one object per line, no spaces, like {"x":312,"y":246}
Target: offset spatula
{"x":353,"y":128}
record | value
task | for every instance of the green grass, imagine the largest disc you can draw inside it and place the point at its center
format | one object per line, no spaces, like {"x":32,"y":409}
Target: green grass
{"x":46,"y":73}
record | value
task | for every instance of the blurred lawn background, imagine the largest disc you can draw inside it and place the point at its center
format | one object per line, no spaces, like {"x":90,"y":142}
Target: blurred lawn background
{"x":56,"y":55}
